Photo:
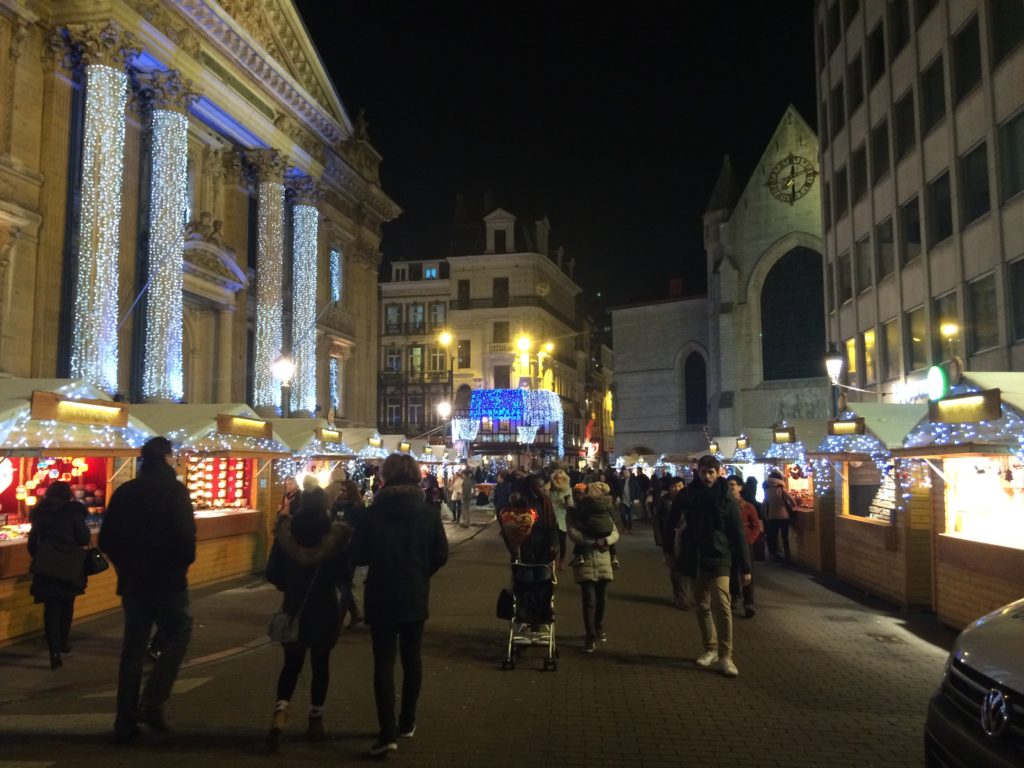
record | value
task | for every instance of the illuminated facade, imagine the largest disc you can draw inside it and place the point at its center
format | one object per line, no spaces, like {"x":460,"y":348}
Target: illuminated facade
{"x":183,"y":198}
{"x":921,"y":110}
{"x":503,"y":287}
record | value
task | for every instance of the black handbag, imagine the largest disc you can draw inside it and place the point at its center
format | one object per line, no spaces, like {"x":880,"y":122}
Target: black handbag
{"x":95,"y":562}
{"x":59,"y":562}
{"x":506,"y":608}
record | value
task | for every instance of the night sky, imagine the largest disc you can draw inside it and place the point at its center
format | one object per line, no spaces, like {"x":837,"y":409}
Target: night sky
{"x":613,"y":123}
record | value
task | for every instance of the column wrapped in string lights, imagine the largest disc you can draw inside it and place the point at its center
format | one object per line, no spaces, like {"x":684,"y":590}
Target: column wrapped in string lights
{"x":268,"y":166}
{"x":169,"y":97}
{"x":334,"y":382}
{"x":94,"y":354}
{"x":335,"y":275}
{"x":305,"y":232}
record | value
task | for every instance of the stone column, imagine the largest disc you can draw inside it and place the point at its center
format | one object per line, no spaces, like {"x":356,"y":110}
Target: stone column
{"x":305,"y":240}
{"x":94,"y":348}
{"x":268,"y":167}
{"x":225,"y":352}
{"x":169,"y":97}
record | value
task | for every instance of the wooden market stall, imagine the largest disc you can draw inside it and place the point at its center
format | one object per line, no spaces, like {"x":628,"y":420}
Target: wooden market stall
{"x":966,"y":458}
{"x":881,"y":540}
{"x":57,"y":429}
{"x":811,"y":533}
{"x":224,"y":452}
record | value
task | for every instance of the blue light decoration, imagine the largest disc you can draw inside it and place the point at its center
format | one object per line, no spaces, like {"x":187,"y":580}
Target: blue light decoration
{"x":526,"y":434}
{"x":371,"y":451}
{"x":743,"y":456}
{"x":1006,"y":431}
{"x":466,"y":429}
{"x":534,"y":408}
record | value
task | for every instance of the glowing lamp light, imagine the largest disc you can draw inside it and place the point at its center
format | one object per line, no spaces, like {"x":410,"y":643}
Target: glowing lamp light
{"x":21,"y":493}
{"x":949,"y":330}
{"x":444,"y":409}
{"x":834,"y":364}
{"x":523,"y":344}
{"x":283,"y":369}
{"x":31,"y":501}
{"x":444,"y":339}
{"x":742,"y":443}
{"x":549,"y":347}
{"x":713,"y":447}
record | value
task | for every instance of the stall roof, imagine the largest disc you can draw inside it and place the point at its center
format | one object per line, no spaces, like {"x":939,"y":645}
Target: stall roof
{"x":890,"y":422}
{"x":1009,"y":384}
{"x":193,"y":426}
{"x":21,"y":434}
{"x":809,"y":433}
{"x":301,"y":436}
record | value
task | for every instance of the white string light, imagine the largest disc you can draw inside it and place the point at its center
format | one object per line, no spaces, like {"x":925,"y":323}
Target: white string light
{"x":334,"y":376}
{"x":94,"y":345}
{"x":162,"y":378}
{"x":269,"y":278}
{"x":335,"y":276}
{"x":304,"y":242}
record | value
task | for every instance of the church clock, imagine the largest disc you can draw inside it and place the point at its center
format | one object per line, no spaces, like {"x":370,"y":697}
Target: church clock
{"x":791,"y":178}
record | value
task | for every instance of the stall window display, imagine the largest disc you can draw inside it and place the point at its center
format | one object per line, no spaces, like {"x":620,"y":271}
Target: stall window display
{"x":798,"y":485}
{"x":23,"y":482}
{"x":218,"y":482}
{"x":872,"y":490}
{"x":985,"y":499}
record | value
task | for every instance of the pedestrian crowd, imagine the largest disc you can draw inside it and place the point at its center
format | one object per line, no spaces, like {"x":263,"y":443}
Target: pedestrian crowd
{"x":708,"y":531}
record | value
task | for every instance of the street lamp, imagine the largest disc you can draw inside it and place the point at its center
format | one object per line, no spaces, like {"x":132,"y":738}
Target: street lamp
{"x":444,"y":338}
{"x":283,"y":369}
{"x":834,"y":366}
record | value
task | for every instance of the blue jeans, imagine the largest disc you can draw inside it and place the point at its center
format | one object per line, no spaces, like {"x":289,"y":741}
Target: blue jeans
{"x":172,"y":614}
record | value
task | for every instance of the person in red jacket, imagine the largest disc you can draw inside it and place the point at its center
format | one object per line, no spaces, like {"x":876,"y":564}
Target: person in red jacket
{"x":752,"y":528}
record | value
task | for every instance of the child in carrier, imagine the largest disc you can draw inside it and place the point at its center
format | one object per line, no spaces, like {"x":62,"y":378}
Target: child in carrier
{"x":595,"y":520}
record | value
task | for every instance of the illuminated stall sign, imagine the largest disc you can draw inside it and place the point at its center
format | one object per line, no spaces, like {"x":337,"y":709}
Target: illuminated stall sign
{"x":243,"y":426}
{"x":847,"y":427}
{"x":49,"y":406}
{"x":966,"y":408}
{"x":783,"y":435}
{"x":328,"y":435}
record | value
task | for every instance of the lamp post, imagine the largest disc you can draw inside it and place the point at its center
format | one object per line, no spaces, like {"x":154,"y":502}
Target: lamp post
{"x":283,"y":370}
{"x":444,"y":338}
{"x":834,"y":366}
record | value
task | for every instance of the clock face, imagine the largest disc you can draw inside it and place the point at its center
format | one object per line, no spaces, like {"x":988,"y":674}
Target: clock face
{"x":791,"y":178}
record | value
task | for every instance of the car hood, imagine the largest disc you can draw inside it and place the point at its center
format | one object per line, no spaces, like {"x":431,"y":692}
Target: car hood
{"x":992,"y":646}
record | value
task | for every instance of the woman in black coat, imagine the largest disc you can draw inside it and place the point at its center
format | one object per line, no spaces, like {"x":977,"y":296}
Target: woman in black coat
{"x":58,"y":522}
{"x":308,"y":557}
{"x":403,"y":542}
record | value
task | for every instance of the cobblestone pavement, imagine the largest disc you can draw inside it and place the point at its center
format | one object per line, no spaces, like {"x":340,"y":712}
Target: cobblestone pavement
{"x":826,"y":679}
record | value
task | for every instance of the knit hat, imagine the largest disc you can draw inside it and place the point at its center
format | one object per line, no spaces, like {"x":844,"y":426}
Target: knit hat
{"x":598,"y":489}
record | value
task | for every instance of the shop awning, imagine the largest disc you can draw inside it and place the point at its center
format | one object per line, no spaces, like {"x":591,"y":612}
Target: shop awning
{"x":206,"y":428}
{"x":313,"y":438}
{"x":91,"y":430}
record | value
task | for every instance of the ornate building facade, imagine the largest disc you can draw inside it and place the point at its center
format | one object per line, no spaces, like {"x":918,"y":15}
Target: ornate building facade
{"x":183,"y":200}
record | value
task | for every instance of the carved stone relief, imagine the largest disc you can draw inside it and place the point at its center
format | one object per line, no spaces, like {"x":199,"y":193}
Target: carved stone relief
{"x":100,"y":43}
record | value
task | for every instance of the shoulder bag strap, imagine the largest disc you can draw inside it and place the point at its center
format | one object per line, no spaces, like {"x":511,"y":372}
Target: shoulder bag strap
{"x":309,"y":589}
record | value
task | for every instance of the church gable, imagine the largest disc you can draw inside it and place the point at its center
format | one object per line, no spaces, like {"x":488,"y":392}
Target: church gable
{"x":276,"y":26}
{"x":788,"y":169}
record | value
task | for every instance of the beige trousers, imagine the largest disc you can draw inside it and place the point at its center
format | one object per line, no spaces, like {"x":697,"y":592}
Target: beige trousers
{"x":713,"y":607}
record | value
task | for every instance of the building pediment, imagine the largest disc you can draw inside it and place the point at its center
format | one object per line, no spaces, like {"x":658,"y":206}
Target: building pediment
{"x":499,"y":215}
{"x":214,"y":264}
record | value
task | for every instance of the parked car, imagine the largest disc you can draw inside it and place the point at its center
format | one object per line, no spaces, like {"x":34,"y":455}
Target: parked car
{"x":976,"y":718}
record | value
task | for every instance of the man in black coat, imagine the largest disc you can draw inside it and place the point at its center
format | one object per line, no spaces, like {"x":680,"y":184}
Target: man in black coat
{"x":149,"y":533}
{"x":712,"y":538}
{"x":403,"y":542}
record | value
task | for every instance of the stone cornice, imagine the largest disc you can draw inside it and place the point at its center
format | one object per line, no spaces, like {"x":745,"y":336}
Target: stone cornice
{"x":348,"y":180}
{"x":233,"y":40}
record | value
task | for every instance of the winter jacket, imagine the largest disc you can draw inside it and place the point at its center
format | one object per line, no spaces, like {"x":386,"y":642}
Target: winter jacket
{"x":303,"y":544}
{"x":468,"y":485}
{"x":149,"y":532}
{"x":561,"y":500}
{"x":596,"y":564}
{"x":777,"y":503}
{"x":315,"y":500}
{"x":752,"y":526}
{"x":403,"y":542}
{"x":501,"y":494}
{"x":542,"y":545}
{"x":714,"y":533}
{"x":61,"y":524}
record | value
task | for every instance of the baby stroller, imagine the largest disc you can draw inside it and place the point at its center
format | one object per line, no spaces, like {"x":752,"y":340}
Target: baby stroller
{"x":532,"y":612}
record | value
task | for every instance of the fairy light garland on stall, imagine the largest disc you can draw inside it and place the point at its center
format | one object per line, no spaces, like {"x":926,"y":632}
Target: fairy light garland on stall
{"x":162,"y":377}
{"x":304,"y":241}
{"x":94,"y":353}
{"x":269,"y":279}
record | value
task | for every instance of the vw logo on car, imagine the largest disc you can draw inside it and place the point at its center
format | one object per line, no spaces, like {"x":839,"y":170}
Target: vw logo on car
{"x":995,"y":713}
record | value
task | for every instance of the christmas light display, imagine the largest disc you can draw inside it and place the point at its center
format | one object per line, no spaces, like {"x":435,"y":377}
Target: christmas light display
{"x":374,"y":449}
{"x":335,"y":265}
{"x":304,"y":242}
{"x":333,"y":382}
{"x":94,"y":354}
{"x":534,"y":408}
{"x":269,"y":278}
{"x":218,"y":482}
{"x":1006,"y":431}
{"x":466,"y":429}
{"x":162,"y":376}
{"x":526,"y":434}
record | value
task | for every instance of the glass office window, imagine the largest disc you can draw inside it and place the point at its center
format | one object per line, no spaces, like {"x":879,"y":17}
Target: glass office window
{"x":891,"y":335}
{"x":910,"y":231}
{"x":946,"y":332}
{"x":844,"y":278}
{"x":854,"y":84}
{"x":966,"y":59}
{"x":1011,"y":152}
{"x":842,"y":191}
{"x":1007,"y":20}
{"x":917,"y":340}
{"x":940,"y":210}
{"x":904,"y":125}
{"x":837,"y":108}
{"x":1016,"y":287}
{"x":899,"y":26}
{"x":885,"y":250}
{"x":859,"y":173}
{"x":870,"y":359}
{"x":974,"y":199}
{"x":875,"y":53}
{"x":933,"y":96}
{"x":879,"y":151}
{"x":863,"y":263}
{"x":983,"y":320}
{"x":850,"y":346}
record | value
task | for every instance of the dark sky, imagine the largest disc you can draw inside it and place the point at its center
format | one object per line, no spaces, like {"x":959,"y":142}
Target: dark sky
{"x":611,"y":122}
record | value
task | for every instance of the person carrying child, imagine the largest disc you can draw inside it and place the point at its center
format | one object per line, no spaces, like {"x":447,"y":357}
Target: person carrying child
{"x":592,"y":529}
{"x":595,"y":523}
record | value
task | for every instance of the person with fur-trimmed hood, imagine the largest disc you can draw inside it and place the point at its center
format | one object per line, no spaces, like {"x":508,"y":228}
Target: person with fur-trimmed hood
{"x":592,"y":568}
{"x":308,"y":563}
{"x":402,"y":540}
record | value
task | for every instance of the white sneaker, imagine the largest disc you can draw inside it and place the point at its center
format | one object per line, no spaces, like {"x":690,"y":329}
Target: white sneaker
{"x":728,"y":667}
{"x":707,"y":659}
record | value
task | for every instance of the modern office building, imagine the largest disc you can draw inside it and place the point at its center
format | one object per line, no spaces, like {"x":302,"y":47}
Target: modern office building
{"x":921,"y":121}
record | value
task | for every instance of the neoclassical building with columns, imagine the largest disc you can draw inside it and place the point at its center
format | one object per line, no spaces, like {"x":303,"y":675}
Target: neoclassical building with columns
{"x":183,"y":200}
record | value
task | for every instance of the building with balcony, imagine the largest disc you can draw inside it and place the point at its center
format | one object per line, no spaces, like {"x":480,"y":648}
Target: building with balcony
{"x":501,"y":313}
{"x":921,"y":115}
{"x":183,"y":198}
